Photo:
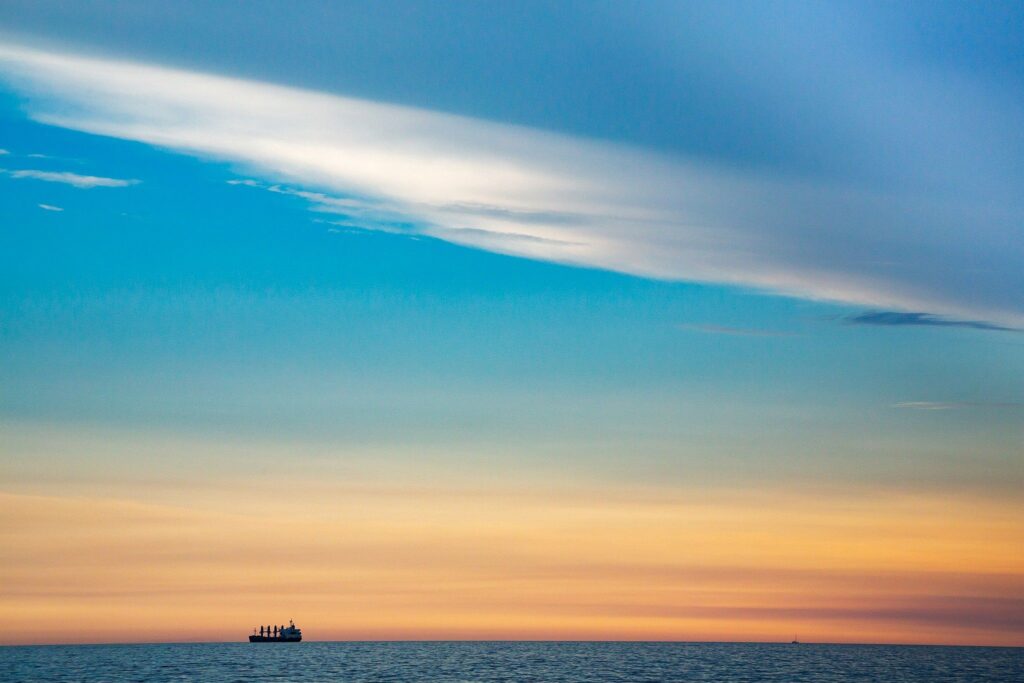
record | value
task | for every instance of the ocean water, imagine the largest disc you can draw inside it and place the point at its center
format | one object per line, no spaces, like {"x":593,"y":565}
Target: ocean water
{"x":439,"y":662}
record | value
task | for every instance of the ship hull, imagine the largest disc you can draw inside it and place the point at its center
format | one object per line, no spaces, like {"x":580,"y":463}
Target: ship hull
{"x":272,"y":639}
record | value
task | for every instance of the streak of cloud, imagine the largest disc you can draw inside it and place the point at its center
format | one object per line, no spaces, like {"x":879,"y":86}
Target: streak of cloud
{"x":899,"y":318}
{"x":74,"y":179}
{"x":540,"y":195}
{"x":955,"y":405}
{"x":735,"y":331}
{"x":50,"y":207}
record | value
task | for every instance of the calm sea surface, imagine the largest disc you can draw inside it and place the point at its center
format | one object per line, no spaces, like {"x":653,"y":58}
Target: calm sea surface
{"x":497,"y":661}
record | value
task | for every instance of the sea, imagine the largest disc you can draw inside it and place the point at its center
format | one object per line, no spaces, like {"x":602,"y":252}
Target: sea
{"x":534,"y":662}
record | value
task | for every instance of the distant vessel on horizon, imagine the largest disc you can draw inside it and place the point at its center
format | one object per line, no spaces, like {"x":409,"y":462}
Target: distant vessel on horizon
{"x":276,"y":634}
{"x":794,"y":641}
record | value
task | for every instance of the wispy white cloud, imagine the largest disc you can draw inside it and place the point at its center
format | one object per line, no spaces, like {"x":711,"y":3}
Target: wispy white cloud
{"x":73,"y":179}
{"x":535,"y":194}
{"x":954,"y":405}
{"x":3,"y":152}
{"x":49,"y":207}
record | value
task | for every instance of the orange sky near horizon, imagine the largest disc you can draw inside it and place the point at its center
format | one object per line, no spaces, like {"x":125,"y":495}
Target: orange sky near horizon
{"x":376,"y":559}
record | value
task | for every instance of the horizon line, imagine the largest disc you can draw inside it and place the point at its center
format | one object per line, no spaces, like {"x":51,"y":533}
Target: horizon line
{"x":524,"y":640}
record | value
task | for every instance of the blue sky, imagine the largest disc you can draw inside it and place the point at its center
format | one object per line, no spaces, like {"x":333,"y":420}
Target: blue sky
{"x":682,"y":247}
{"x":185,"y":302}
{"x":792,"y":120}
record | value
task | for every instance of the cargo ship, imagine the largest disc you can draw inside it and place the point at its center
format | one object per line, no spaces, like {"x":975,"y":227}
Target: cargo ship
{"x":276,"y":634}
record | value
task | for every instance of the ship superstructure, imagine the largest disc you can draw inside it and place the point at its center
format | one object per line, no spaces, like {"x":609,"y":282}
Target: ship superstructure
{"x":276,"y":634}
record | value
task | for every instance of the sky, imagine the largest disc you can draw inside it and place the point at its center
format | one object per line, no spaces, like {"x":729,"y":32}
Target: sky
{"x":607,"y":320}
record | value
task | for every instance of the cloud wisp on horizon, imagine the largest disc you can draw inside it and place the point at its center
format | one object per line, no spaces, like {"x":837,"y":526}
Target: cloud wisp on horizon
{"x":552,"y":197}
{"x":955,"y":405}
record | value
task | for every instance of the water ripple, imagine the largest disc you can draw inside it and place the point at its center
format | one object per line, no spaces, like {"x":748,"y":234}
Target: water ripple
{"x":506,"y":662}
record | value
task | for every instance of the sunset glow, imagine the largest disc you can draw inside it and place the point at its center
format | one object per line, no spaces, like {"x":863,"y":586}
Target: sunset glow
{"x":704,"y":325}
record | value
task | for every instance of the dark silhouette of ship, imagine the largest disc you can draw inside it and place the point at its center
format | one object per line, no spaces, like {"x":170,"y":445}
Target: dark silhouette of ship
{"x":276,"y":634}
